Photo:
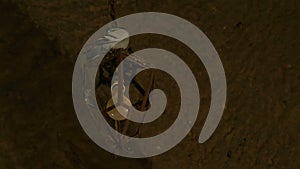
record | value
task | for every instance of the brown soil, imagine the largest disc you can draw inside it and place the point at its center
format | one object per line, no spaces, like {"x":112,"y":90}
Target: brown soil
{"x":258,"y":45}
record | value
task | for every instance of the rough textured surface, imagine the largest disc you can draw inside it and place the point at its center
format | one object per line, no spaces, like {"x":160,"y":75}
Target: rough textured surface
{"x":258,"y":42}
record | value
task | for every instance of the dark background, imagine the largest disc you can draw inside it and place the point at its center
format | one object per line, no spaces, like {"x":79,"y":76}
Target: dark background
{"x":258,"y":42}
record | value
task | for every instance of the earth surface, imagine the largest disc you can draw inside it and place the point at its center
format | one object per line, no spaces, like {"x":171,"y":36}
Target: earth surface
{"x":258,"y":43}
